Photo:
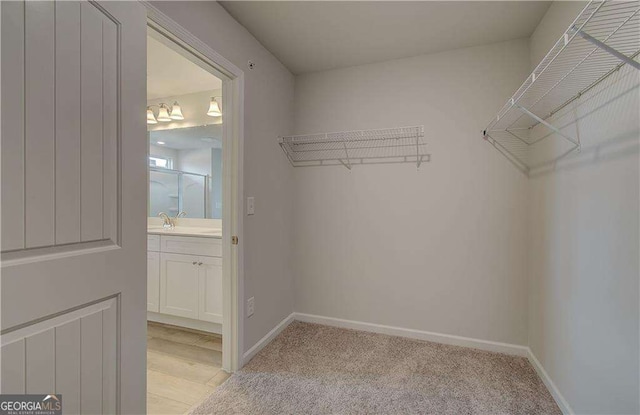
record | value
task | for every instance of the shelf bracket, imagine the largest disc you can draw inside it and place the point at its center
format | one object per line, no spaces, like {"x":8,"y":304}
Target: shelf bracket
{"x":546,"y":124}
{"x":346,"y":153}
{"x":418,"y":158}
{"x":348,"y":166}
{"x":624,"y":58}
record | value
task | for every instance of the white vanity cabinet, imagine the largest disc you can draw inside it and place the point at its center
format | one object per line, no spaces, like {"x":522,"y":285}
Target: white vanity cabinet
{"x":188,"y":280}
{"x":153,"y":281}
{"x":210,"y":300}
{"x":153,"y":273}
{"x":179,"y":283}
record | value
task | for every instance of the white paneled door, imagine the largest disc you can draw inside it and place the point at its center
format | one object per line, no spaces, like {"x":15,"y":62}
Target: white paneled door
{"x":73,"y":218}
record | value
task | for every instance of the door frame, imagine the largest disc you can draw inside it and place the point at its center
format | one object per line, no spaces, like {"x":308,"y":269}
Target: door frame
{"x":232,"y":180}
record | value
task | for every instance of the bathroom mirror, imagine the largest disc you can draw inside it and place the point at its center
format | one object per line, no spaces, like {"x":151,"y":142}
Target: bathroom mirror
{"x":185,"y":171}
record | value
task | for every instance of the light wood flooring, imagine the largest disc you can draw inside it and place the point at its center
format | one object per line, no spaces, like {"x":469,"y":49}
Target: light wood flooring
{"x":183,"y":368}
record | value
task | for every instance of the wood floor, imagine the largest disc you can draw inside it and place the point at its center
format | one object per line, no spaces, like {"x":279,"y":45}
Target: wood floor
{"x":183,"y":368}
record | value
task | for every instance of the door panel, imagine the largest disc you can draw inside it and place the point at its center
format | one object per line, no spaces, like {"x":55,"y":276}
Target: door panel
{"x":91,"y":123}
{"x":66,"y":354}
{"x":210,"y":304}
{"x":68,"y":365}
{"x":91,"y":364}
{"x":179,"y":281}
{"x":109,"y":130}
{"x":73,"y":169}
{"x":67,"y":186}
{"x":40,"y":361}
{"x":67,"y":127}
{"x":13,"y":373}
{"x":39,"y":143}
{"x":12,"y":132}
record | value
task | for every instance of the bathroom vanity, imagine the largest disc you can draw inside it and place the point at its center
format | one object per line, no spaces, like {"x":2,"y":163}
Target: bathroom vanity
{"x":184,"y":254}
{"x":184,"y":282}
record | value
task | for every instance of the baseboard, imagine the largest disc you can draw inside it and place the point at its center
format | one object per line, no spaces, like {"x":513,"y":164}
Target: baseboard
{"x":553,"y":390}
{"x":184,"y":322}
{"x":267,"y":338}
{"x":507,"y":348}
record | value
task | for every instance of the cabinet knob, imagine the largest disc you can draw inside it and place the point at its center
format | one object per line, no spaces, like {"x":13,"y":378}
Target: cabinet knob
{"x":194,"y":262}
{"x":199,"y":263}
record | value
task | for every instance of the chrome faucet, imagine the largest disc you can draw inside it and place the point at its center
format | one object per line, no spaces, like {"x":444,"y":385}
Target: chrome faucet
{"x":178,"y":216}
{"x":167,"y":223}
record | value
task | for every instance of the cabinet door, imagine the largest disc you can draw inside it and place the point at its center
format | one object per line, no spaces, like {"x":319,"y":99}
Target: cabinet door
{"x":210,"y":304}
{"x":153,"y":281}
{"x":179,"y":281}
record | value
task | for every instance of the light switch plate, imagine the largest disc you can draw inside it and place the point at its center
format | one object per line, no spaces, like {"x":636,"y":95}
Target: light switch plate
{"x":251,"y":205}
{"x":251,"y":306}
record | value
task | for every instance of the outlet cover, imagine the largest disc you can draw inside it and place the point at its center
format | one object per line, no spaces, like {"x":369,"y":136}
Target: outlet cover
{"x":251,"y":306}
{"x":251,"y":205}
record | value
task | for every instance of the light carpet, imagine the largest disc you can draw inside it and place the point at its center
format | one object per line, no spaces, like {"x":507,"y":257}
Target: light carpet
{"x":316,"y":369}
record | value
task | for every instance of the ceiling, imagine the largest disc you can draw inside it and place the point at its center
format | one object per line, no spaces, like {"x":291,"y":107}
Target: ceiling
{"x":309,"y":36}
{"x":171,"y":74}
{"x":190,"y":138}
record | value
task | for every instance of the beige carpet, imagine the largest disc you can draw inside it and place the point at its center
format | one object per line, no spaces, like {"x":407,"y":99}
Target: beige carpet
{"x":314,"y":369}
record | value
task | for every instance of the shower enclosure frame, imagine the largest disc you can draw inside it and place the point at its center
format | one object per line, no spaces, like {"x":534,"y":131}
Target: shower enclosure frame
{"x":180,"y":174}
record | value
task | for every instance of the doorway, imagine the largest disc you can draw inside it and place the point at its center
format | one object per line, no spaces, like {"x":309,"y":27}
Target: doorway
{"x":194,"y":139}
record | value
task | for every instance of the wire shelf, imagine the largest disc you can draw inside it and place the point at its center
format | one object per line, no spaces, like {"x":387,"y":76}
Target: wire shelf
{"x":348,"y":148}
{"x":528,"y":130}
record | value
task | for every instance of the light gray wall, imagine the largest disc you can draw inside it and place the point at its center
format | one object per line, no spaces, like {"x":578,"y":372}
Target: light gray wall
{"x":557,"y":19}
{"x":441,"y":249}
{"x":267,"y":176}
{"x":584,"y":244}
{"x":216,"y":183}
{"x":155,"y":150}
{"x":194,"y":161}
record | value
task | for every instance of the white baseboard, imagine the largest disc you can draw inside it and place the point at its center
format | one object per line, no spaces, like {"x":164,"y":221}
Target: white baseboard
{"x":267,"y":338}
{"x":553,"y":390}
{"x":507,"y":348}
{"x":184,"y":322}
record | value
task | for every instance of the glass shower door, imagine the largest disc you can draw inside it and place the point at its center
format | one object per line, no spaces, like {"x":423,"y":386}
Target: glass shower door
{"x":194,"y":195}
{"x":164,"y":192}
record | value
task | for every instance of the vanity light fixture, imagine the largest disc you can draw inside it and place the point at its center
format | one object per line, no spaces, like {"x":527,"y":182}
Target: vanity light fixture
{"x":151,"y":118}
{"x":214,"y":108}
{"x":163,"y":113}
{"x":176,"y":112}
{"x":161,"y":143}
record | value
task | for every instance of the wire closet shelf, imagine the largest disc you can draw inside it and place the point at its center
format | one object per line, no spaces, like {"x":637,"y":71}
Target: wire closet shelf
{"x":531,"y":129}
{"x":348,"y":148}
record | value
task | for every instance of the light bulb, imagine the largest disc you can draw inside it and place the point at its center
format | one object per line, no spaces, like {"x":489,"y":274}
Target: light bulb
{"x":151,"y":119}
{"x":176,"y":112}
{"x":163,"y":113}
{"x":214,"y":109}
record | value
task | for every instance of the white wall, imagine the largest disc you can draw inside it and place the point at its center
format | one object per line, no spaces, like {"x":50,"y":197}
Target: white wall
{"x":194,"y":161}
{"x":584,"y":244}
{"x":439,"y":249}
{"x":447,"y":248}
{"x":557,"y":19}
{"x":161,"y":151}
{"x":267,"y":176}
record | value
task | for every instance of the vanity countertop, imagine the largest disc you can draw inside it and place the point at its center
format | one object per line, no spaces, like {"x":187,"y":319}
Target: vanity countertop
{"x":186,"y":231}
